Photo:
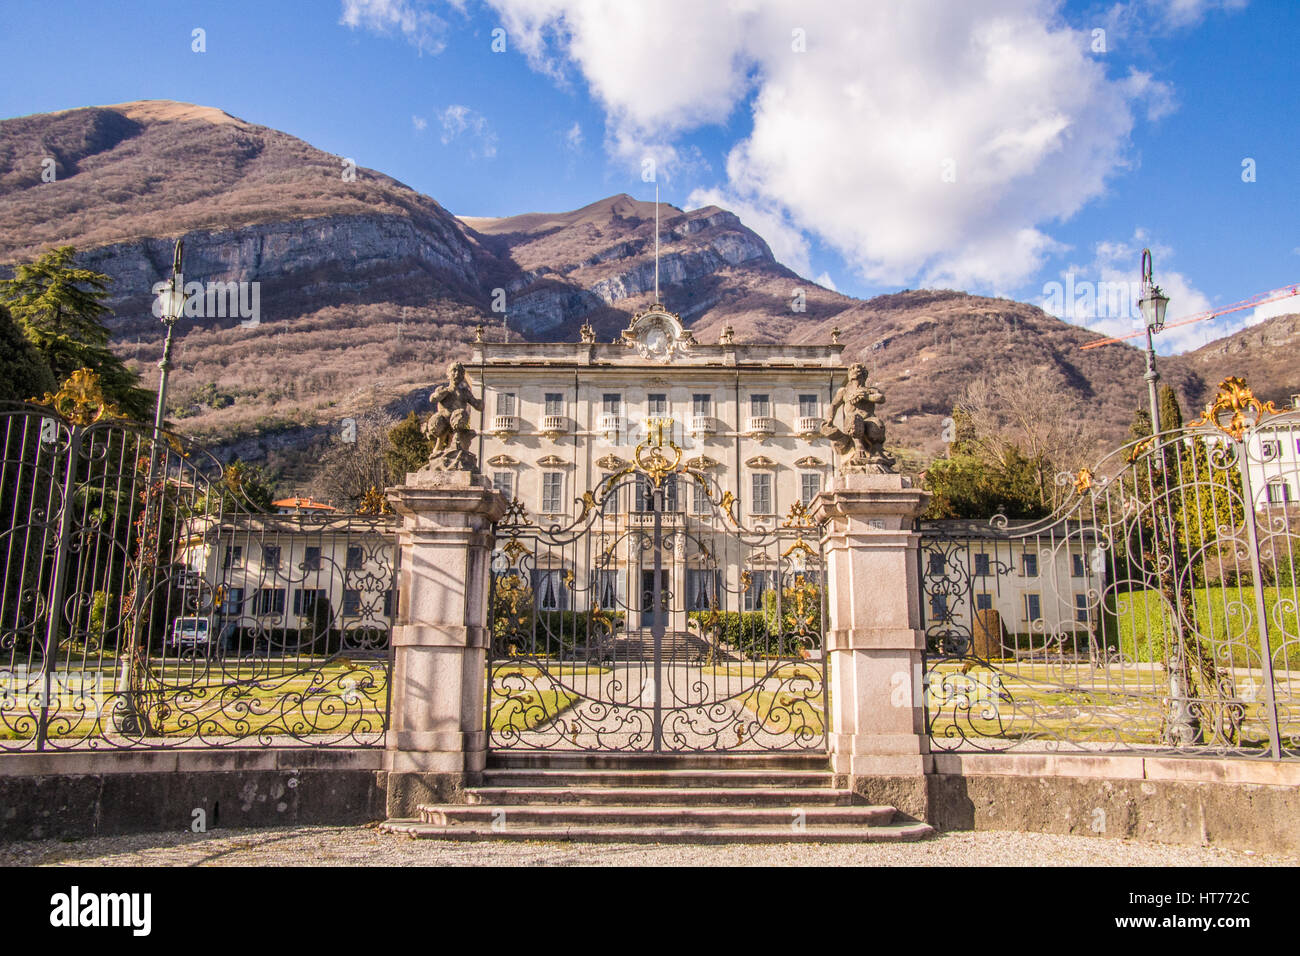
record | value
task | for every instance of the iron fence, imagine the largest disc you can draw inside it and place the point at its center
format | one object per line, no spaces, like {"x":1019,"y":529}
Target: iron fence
{"x":1155,"y":611}
{"x":145,"y":603}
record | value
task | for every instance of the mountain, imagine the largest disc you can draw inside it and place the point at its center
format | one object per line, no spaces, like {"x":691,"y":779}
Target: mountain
{"x":368,"y":288}
{"x":1265,"y":355}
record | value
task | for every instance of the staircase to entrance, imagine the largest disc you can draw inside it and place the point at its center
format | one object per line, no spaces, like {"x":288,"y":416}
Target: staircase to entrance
{"x":697,"y":798}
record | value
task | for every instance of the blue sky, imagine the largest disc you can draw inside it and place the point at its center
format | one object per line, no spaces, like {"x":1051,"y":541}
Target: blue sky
{"x":989,"y":145}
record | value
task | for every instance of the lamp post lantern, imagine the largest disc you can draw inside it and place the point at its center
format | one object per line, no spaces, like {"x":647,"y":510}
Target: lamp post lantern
{"x":1152,"y":306}
{"x":173,"y":306}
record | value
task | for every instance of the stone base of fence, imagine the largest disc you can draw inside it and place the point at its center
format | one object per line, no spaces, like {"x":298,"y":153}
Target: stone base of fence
{"x":83,"y":794}
{"x":1236,"y":803}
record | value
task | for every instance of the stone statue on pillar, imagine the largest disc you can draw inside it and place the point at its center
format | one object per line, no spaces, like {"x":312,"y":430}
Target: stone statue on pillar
{"x":448,"y":428}
{"x":861,"y":442}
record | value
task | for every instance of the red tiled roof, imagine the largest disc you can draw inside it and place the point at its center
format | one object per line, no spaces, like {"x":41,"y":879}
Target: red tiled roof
{"x":302,"y":503}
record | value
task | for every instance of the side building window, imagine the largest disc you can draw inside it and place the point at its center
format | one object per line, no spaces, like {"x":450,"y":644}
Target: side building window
{"x":504,"y":482}
{"x":552,"y":492}
{"x":762,"y":503}
{"x":810,"y":486}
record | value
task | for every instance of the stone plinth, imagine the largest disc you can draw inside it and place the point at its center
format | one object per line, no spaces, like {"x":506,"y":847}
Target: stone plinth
{"x":873,"y":636}
{"x":436,"y":741}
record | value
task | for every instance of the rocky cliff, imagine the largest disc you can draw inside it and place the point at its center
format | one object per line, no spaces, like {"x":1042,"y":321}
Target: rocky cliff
{"x":367,"y":288}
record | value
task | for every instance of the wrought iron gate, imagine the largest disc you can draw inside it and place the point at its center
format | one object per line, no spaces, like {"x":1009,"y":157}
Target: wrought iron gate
{"x":145,"y":603}
{"x":654,"y":621}
{"x":1155,"y":611}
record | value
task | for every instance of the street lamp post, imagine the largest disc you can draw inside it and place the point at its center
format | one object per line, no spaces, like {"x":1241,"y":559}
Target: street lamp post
{"x":1152,"y":306}
{"x":173,"y":306}
{"x":130,"y":715}
{"x":1181,"y":729}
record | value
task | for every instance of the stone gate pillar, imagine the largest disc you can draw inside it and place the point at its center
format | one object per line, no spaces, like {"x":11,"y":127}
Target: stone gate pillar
{"x":873,"y":639}
{"x":436,"y":741}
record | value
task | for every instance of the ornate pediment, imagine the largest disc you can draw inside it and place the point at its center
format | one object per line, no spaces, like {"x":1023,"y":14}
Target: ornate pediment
{"x":702,"y":463}
{"x":808,"y":461}
{"x":553,"y":461}
{"x":502,"y":461}
{"x":761,"y":461}
{"x":657,"y":335}
{"x":611,"y":463}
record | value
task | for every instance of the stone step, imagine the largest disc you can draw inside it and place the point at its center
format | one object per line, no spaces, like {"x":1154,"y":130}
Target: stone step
{"x":649,"y":816}
{"x":659,"y":778}
{"x":551,"y":760}
{"x":895,"y":832}
{"x":663,"y":796}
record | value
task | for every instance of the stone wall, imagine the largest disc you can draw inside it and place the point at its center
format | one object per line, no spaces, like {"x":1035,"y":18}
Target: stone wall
{"x":64,"y":795}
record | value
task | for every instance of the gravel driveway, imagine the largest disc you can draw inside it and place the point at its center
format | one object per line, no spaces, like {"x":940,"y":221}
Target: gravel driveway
{"x":364,"y":846}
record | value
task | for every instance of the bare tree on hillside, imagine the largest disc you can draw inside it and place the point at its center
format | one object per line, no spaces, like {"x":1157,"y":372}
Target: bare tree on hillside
{"x":348,"y":469}
{"x":1020,"y":408}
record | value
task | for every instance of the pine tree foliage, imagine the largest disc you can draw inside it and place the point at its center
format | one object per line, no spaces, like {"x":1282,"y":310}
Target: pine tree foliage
{"x":60,"y":309}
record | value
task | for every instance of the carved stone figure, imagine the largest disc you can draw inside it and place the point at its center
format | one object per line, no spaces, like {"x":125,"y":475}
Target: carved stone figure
{"x":861,"y":443}
{"x":448,"y":428}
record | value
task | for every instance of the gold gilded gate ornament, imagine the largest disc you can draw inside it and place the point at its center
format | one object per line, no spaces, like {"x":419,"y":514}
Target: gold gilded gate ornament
{"x":80,"y":399}
{"x":649,"y":455}
{"x":1235,"y":399}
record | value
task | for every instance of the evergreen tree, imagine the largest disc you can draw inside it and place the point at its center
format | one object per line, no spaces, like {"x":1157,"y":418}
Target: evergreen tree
{"x":972,"y":483}
{"x":244,"y":488}
{"x":60,"y":310}
{"x":408,"y":448}
{"x":23,"y":372}
{"x":1140,"y":427}
{"x":1171,"y":412}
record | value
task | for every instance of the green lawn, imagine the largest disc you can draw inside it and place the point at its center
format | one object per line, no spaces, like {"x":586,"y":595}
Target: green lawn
{"x":1118,"y":704}
{"x":299,"y":698}
{"x":782,"y":712}
{"x":528,"y":709}
{"x":1140,"y":624}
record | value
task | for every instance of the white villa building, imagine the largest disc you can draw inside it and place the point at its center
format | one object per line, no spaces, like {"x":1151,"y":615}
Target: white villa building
{"x":559,"y":417}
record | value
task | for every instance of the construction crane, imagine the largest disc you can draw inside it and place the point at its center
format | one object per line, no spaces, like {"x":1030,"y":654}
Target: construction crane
{"x":1255,"y":301}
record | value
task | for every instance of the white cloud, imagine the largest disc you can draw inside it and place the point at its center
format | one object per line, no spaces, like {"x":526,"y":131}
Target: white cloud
{"x":1108,"y":286}
{"x":826,"y":282}
{"x":1287,"y":306}
{"x":461,"y":121}
{"x":417,"y":24}
{"x":850,"y":140}
{"x":420,"y":123}
{"x":1185,"y":13}
{"x":573,"y":138}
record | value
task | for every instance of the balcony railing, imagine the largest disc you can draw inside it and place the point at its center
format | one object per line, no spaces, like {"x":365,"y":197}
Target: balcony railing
{"x":761,"y":426}
{"x":808,"y":425}
{"x":505,"y":424}
{"x":702,"y":425}
{"x":609,"y":424}
{"x":555,"y":425}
